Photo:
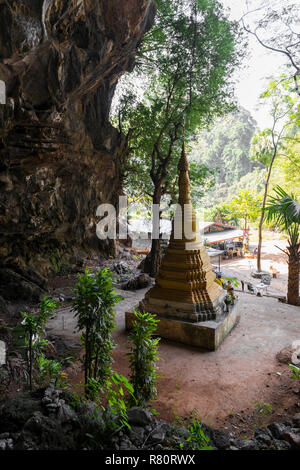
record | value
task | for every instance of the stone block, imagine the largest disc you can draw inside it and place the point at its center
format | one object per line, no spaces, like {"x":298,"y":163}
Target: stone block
{"x":206,"y":334}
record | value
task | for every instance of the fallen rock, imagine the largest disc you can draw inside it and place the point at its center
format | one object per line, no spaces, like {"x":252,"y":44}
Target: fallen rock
{"x":137,"y":435}
{"x":285,"y":355}
{"x":248,"y":444}
{"x":277,"y":429}
{"x":137,"y":282}
{"x":139,"y":417}
{"x":293,"y":439}
{"x":296,"y":420}
{"x":121,"y":268}
{"x":126,"y":444}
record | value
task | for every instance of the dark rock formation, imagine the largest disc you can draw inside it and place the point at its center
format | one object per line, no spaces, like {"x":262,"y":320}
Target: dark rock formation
{"x":48,"y":420}
{"x":59,"y":156}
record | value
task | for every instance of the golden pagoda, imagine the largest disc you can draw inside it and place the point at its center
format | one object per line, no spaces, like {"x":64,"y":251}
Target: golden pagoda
{"x":185,"y":286}
{"x":187,"y":301}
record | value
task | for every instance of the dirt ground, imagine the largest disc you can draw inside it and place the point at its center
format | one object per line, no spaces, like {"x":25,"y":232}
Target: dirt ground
{"x":224,"y":385}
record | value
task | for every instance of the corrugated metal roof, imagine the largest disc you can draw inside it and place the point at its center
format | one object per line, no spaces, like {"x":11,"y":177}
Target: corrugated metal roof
{"x":215,"y":237}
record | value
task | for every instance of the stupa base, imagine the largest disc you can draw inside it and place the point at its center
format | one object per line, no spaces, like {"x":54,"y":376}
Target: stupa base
{"x":205,"y":334}
{"x":185,"y":311}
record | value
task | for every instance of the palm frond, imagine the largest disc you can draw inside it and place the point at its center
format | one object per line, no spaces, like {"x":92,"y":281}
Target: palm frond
{"x":283,"y":209}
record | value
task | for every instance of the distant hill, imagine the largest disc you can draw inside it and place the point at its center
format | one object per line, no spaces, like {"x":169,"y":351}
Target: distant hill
{"x":224,"y":147}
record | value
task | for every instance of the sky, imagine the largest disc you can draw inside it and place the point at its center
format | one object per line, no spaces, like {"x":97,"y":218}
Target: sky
{"x":251,"y":80}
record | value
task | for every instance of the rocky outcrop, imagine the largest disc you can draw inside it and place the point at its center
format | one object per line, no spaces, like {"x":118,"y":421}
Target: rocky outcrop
{"x":49,"y":420}
{"x":59,"y":156}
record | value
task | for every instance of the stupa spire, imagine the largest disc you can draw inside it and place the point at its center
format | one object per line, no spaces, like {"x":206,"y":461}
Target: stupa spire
{"x":184,"y":179}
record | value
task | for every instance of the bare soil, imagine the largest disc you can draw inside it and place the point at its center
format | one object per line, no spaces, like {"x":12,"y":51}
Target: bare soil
{"x":224,"y":385}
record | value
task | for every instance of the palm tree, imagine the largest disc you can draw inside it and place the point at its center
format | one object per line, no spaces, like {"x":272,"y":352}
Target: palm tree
{"x":284,"y":211}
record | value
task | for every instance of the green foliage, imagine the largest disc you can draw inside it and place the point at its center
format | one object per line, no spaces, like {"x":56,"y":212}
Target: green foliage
{"x":93,"y":306}
{"x":50,"y":370}
{"x":115,"y":389}
{"x":33,"y":326}
{"x":224,"y":147}
{"x":185,"y":61}
{"x":233,"y":281}
{"x":285,"y":114}
{"x":57,"y":264}
{"x":115,"y":396}
{"x":245,"y":206}
{"x":296,"y":372}
{"x":196,"y":439}
{"x":284,"y":211}
{"x":263,"y":408}
{"x":143,"y":357}
{"x":221,"y":213}
{"x":286,"y":171}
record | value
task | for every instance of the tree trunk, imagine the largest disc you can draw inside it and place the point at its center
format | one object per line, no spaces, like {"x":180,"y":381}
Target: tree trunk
{"x":293,"y":275}
{"x":263,"y":211}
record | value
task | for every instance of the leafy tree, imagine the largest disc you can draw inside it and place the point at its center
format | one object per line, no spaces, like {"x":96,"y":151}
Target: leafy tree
{"x":186,"y":60}
{"x":274,"y":25}
{"x":245,"y":206}
{"x":269,"y":143}
{"x":286,"y":172}
{"x":284,"y":210}
{"x":221,"y":213}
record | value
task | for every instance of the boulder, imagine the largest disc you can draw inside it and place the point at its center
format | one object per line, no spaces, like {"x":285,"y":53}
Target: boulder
{"x":16,"y":287}
{"x":277,"y":429}
{"x":139,"y":417}
{"x":137,"y":282}
{"x":293,"y":439}
{"x":16,"y":411}
{"x":248,"y":444}
{"x":285,"y":355}
{"x":137,"y":435}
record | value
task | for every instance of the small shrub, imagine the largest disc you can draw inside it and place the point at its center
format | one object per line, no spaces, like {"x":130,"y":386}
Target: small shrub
{"x":196,"y":438}
{"x":296,"y":372}
{"x":50,"y":370}
{"x":143,"y":357}
{"x":93,"y":305}
{"x":264,"y":409}
{"x":115,"y":396}
{"x":34,"y":326}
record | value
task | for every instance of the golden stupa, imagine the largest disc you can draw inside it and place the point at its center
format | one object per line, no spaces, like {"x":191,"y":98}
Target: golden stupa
{"x":187,"y":301}
{"x":185,"y":286}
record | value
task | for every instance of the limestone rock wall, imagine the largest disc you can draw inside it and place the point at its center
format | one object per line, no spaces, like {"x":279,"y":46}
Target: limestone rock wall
{"x":59,"y":156}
